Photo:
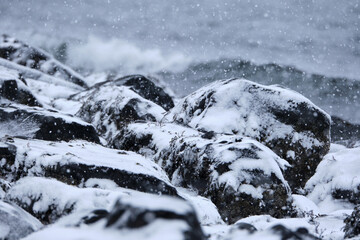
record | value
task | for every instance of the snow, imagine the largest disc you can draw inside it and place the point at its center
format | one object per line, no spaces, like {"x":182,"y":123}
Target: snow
{"x":246,"y":114}
{"x":154,"y":231}
{"x":103,"y":107}
{"x":37,"y":75}
{"x":50,"y":196}
{"x":339,"y":170}
{"x":38,"y":154}
{"x":206,"y":210}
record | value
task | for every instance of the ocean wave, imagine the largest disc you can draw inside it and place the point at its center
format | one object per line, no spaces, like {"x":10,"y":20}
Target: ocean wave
{"x":99,"y":55}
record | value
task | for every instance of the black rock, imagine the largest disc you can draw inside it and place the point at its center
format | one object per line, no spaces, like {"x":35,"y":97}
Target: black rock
{"x":147,"y":88}
{"x":245,"y":226}
{"x":138,"y":213}
{"x":44,"y":124}
{"x":352,"y":224}
{"x":221,"y":168}
{"x":285,"y":121}
{"x":76,"y":162}
{"x":110,"y":107}
{"x":287,"y":234}
{"x":16,"y":51}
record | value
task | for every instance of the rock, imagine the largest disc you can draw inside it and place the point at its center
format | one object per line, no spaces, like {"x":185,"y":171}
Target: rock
{"x":285,"y":121}
{"x":137,"y":213}
{"x":135,"y":217}
{"x":337,"y":177}
{"x":240,"y":176}
{"x":352,"y":224}
{"x":15,"y":223}
{"x":277,"y":232}
{"x":76,"y":162}
{"x":148,"y":89}
{"x":299,"y":234}
{"x":13,"y":88}
{"x":149,"y":139}
{"x":266,"y":227}
{"x":48,"y":199}
{"x":344,"y":132}
{"x":16,"y":51}
{"x":245,"y":226}
{"x":110,"y":107}
{"x":39,"y":123}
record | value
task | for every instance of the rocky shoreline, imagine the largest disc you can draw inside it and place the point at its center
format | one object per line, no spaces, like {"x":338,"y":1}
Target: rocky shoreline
{"x":234,"y":159}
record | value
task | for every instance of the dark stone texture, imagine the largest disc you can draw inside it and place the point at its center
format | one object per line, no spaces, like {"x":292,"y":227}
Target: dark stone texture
{"x":16,"y":51}
{"x":286,"y":122}
{"x":352,"y":224}
{"x":41,"y":124}
{"x":126,"y":215}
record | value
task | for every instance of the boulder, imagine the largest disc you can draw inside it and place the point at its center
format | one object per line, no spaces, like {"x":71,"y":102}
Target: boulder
{"x":135,"y":217}
{"x":241,"y":176}
{"x":13,"y":87}
{"x":39,"y":123}
{"x":136,"y":213}
{"x":78,"y":161}
{"x":147,"y":88}
{"x":285,"y":121}
{"x":48,"y":199}
{"x":337,"y":177}
{"x":277,"y":232}
{"x":352,"y":224}
{"x":149,"y":139}
{"x":16,"y":51}
{"x":110,"y":107}
{"x":15,"y":223}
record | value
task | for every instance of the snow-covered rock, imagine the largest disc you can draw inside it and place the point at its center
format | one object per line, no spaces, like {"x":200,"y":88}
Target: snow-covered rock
{"x":352,"y":224}
{"x":241,"y":176}
{"x":285,"y":121}
{"x":40,"y":123}
{"x":15,"y":223}
{"x":337,"y":177}
{"x":148,"y":89}
{"x":16,"y":51}
{"x":13,"y":87}
{"x":134,"y":217}
{"x":150,"y":139}
{"x":49,"y":199}
{"x":78,"y":161}
{"x":109,"y":107}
